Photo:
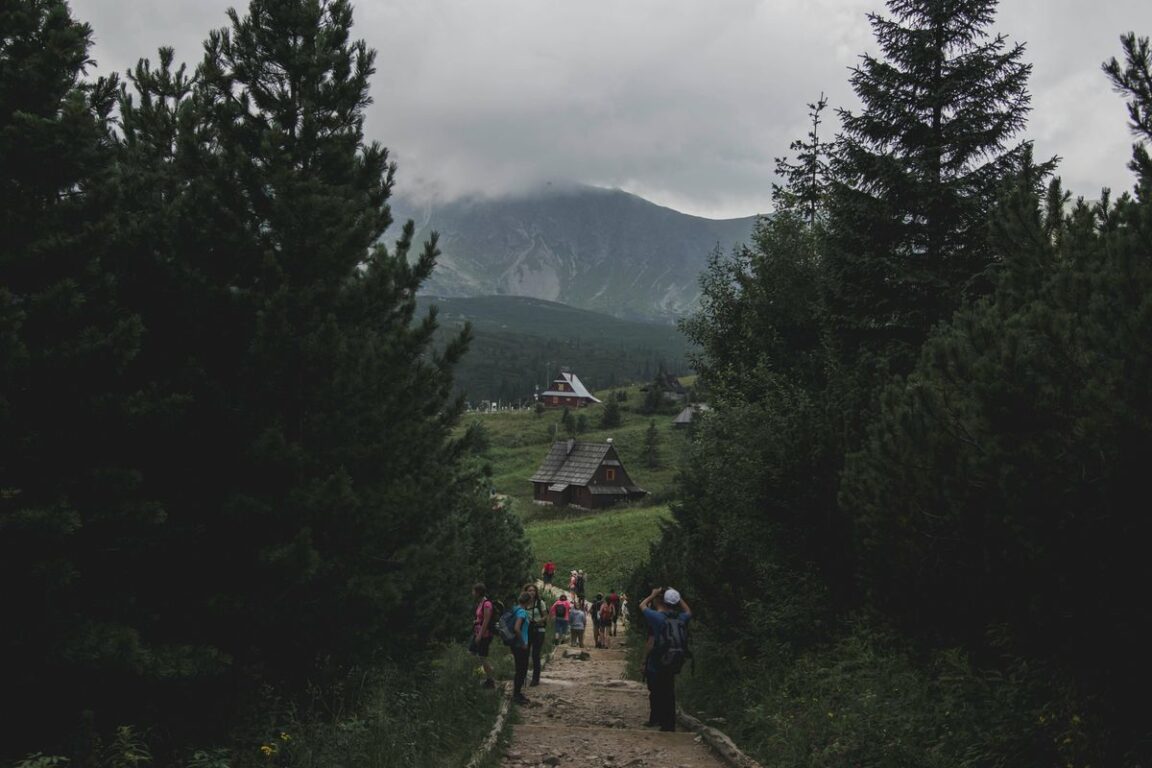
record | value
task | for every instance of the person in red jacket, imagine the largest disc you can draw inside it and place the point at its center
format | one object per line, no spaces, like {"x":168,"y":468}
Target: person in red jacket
{"x":548,"y":572}
{"x":560,"y":610}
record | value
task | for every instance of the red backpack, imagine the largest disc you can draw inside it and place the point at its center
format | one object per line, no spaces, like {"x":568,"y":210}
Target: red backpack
{"x":606,"y":612}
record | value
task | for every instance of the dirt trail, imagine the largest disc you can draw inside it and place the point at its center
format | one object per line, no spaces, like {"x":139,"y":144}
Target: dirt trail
{"x":584,"y":713}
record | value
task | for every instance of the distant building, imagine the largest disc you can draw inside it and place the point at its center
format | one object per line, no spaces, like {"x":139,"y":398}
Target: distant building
{"x":581,"y":474}
{"x":673,"y":389}
{"x":567,"y":391}
{"x":685,"y":418}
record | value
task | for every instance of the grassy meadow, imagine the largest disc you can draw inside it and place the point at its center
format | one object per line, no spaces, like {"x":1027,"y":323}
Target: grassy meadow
{"x":606,"y":543}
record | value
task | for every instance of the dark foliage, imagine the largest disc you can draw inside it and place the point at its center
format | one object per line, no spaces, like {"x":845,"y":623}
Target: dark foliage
{"x":916,"y":172}
{"x":952,"y":554}
{"x":226,"y":456}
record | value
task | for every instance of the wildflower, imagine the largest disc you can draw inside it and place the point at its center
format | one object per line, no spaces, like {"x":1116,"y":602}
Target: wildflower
{"x":268,"y":749}
{"x":285,"y":736}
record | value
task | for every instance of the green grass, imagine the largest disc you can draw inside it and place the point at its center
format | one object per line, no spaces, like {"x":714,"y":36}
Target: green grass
{"x":607,"y":545}
{"x":520,"y":440}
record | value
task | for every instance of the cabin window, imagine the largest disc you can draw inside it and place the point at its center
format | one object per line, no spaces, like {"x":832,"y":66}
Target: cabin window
{"x":555,"y":400}
{"x":609,"y":474}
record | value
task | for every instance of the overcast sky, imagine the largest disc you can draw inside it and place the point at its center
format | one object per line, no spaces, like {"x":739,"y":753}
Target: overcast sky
{"x":685,"y":102}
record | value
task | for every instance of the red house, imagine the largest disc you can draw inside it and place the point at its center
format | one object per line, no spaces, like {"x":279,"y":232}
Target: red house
{"x":567,"y":391}
{"x":587,"y":475}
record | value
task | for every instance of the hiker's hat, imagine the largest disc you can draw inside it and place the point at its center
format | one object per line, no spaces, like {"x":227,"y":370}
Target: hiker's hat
{"x":671,"y":597}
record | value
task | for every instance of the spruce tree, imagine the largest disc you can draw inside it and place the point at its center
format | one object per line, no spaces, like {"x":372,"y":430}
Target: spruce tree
{"x":805,"y":178}
{"x":610,"y":416}
{"x":652,"y":446}
{"x":917,"y":170}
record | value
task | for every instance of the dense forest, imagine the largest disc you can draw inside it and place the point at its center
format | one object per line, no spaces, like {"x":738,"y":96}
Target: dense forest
{"x":912,"y":523}
{"x":519,"y":345}
{"x":232,"y":480}
{"x":227,"y":470}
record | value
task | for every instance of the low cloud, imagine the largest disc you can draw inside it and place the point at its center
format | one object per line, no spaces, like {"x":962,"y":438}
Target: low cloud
{"x":681,"y":101}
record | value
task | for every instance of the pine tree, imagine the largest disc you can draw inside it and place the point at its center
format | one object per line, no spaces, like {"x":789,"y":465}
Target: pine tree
{"x":74,"y":518}
{"x":610,"y":416}
{"x":917,"y":170}
{"x":310,"y":421}
{"x":652,"y":446}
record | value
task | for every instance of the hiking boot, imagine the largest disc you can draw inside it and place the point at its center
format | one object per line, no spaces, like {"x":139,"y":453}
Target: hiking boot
{"x":521,"y":699}
{"x":489,"y":683}
{"x":534,"y":683}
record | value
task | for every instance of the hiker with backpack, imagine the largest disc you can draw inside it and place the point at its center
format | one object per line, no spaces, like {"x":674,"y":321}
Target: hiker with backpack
{"x":548,"y":572}
{"x":513,"y":626}
{"x":614,"y":600}
{"x":576,"y":622}
{"x":606,"y":614}
{"x":537,"y":630}
{"x":559,"y":611}
{"x":578,"y":587}
{"x":597,"y":627}
{"x":668,"y":629}
{"x":484,"y":617}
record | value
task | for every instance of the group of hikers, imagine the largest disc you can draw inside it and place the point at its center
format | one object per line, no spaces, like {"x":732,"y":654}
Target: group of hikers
{"x":524,"y":628}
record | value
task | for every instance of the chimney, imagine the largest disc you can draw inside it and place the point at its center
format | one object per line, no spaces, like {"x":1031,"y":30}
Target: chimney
{"x":571,"y":444}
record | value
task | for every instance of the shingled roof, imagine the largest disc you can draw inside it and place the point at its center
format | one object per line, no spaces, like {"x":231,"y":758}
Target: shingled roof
{"x":570,"y":462}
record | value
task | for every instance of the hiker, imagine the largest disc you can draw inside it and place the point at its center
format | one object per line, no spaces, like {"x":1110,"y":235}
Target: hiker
{"x":606,"y":613}
{"x":548,"y":572}
{"x":538,"y":615}
{"x":559,"y":611}
{"x":594,"y":613}
{"x":578,"y":587}
{"x":484,"y":615}
{"x":572,"y":582}
{"x":614,"y":599}
{"x":519,"y":647}
{"x":576,"y":622}
{"x":667,"y":625}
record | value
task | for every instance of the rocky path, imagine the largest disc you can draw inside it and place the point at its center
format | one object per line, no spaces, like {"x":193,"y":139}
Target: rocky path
{"x":584,"y":713}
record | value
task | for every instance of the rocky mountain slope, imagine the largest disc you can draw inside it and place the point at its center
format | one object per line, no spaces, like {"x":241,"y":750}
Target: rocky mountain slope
{"x":598,"y":249}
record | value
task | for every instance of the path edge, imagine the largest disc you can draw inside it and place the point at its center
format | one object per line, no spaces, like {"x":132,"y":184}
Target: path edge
{"x":723,"y":746}
{"x":493,"y":738}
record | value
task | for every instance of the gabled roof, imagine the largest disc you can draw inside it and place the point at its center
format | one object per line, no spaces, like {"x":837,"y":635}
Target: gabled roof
{"x":578,"y":388}
{"x":574,"y":467}
{"x":687,"y":415}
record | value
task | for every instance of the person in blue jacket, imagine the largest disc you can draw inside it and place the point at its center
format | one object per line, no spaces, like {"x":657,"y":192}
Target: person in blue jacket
{"x":657,"y":608}
{"x":520,"y":647}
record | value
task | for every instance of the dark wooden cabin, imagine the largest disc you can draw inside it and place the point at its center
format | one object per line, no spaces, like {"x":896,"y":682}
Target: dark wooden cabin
{"x":567,"y":391}
{"x":587,"y":475}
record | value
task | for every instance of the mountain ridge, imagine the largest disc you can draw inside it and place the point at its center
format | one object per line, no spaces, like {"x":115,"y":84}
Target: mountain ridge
{"x":604,"y":250}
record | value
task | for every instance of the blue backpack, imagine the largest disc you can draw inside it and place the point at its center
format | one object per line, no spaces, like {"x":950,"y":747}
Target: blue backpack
{"x":506,"y":628}
{"x":670,"y":650}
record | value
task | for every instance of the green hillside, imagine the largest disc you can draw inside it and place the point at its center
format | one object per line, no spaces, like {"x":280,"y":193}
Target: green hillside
{"x":606,"y":543}
{"x":522,"y":342}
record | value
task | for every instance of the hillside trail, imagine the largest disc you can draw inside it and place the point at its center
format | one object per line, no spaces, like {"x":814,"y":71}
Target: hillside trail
{"x":585,"y":713}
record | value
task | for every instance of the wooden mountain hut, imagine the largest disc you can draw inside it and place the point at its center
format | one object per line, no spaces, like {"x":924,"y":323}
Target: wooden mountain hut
{"x":567,"y":391}
{"x":587,"y":475}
